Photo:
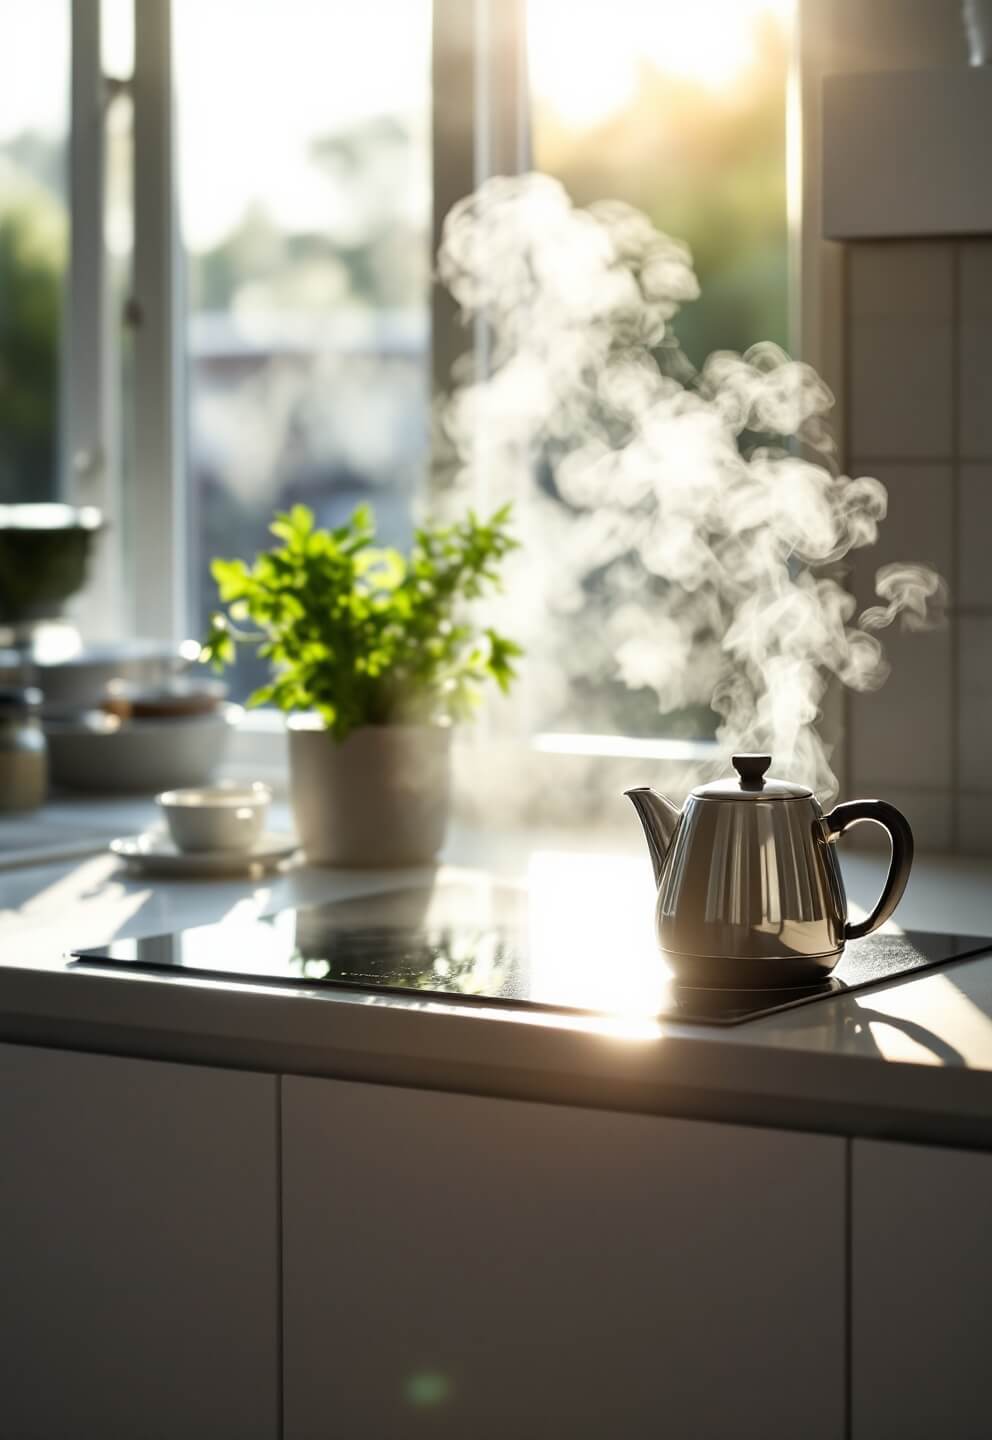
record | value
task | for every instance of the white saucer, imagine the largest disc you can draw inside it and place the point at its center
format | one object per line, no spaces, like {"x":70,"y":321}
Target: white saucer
{"x":154,"y":853}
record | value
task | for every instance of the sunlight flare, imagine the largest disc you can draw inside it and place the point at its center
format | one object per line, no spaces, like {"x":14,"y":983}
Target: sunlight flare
{"x":585,"y":58}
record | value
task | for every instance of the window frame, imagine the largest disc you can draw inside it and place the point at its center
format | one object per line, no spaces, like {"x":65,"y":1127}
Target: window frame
{"x":136,"y":585}
{"x":139,"y":586}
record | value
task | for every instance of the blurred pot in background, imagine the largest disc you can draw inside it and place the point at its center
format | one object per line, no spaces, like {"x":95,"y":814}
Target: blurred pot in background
{"x":44,"y":551}
{"x":89,"y":675}
{"x":101,"y":753}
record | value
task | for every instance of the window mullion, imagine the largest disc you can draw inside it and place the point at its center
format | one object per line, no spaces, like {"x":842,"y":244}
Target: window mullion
{"x":156,"y":485}
{"x":90,"y":469}
{"x":481,"y":127}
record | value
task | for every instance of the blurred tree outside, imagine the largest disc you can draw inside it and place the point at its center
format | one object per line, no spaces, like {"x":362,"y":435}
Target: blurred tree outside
{"x":706,"y":163}
{"x":308,"y":355}
{"x":707,"y":166}
{"x":33,"y":238}
{"x":369,"y":256}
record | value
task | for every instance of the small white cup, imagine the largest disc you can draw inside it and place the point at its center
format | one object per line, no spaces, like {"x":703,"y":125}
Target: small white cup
{"x":216,"y":817}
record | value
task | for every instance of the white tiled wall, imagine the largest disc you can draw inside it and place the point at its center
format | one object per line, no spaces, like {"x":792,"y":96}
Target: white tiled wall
{"x":919,"y":416}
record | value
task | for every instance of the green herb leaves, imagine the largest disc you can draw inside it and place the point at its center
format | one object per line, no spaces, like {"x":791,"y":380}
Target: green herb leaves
{"x":360,"y":634}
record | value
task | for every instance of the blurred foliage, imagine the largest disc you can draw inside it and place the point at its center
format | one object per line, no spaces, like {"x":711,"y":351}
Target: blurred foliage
{"x":32,"y":262}
{"x":370,"y":253}
{"x":708,"y":167}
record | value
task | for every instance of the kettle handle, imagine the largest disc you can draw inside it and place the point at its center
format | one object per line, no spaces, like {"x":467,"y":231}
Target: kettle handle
{"x":879,"y":812}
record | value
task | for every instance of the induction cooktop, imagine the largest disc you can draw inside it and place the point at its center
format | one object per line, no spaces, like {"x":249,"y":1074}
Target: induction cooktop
{"x":464,"y":946}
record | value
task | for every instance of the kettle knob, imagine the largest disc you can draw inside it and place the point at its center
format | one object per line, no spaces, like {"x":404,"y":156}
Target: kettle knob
{"x":751,"y":769}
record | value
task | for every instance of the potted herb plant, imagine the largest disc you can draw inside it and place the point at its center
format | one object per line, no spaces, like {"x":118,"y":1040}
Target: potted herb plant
{"x":375,"y":656}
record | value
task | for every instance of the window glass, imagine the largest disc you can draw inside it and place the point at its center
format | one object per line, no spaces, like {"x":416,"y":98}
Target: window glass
{"x":34,"y":109}
{"x":680,"y":110}
{"x":305,"y":202}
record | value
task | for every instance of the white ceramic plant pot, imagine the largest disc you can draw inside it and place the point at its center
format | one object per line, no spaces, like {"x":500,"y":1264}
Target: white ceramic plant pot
{"x":378,"y":798}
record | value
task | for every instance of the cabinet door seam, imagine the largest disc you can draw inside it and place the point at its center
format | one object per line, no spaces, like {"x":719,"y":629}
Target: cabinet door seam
{"x":280,"y":1292}
{"x":848,"y":1288}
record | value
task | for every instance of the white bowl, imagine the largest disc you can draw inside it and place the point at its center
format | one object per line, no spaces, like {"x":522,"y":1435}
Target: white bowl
{"x":76,"y":682}
{"x":217,"y":817}
{"x":102,"y":753}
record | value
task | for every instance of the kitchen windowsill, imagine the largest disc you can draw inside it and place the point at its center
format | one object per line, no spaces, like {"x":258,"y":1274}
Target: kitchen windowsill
{"x":945,"y":892}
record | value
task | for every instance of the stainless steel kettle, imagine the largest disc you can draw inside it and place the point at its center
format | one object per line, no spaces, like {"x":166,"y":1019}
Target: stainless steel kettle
{"x":749,"y":889}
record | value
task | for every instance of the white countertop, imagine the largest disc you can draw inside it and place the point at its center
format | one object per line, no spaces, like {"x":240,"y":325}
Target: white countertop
{"x":909,"y":1059}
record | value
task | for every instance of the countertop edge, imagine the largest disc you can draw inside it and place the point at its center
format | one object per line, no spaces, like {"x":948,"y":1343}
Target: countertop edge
{"x":688,"y":1077}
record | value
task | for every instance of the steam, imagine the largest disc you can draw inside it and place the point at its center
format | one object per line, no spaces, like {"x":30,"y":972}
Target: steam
{"x":715,"y":543}
{"x":911,"y":591}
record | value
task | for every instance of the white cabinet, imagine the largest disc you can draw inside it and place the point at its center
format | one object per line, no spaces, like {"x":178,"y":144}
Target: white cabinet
{"x":459,"y":1266}
{"x":138,"y":1250}
{"x":921,"y":1292}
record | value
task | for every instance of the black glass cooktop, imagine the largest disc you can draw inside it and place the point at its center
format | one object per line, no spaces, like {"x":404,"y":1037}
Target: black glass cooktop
{"x":494,"y":947}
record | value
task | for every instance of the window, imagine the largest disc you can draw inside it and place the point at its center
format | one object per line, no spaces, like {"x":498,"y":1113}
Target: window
{"x":305,"y":217}
{"x":680,"y":110}
{"x":253,"y":292}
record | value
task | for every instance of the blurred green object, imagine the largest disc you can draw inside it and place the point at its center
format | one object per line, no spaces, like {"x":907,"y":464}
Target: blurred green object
{"x":32,"y":261}
{"x":44,"y":551}
{"x":706,"y":163}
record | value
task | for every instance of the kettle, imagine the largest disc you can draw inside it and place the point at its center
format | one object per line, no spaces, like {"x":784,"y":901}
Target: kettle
{"x":750,"y":892}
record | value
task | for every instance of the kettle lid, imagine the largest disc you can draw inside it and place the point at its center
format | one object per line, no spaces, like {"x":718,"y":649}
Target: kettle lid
{"x":750,"y":784}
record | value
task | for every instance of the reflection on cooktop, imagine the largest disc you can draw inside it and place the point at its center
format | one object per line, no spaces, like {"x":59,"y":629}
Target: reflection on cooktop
{"x":446,"y":944}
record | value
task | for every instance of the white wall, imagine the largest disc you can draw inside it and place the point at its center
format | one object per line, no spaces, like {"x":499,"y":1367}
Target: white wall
{"x":899,"y":330}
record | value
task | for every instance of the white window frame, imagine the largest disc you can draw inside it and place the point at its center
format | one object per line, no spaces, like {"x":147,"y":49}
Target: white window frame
{"x":89,"y":450}
{"x":158,"y":525}
{"x":140,"y":586}
{"x":137,"y":584}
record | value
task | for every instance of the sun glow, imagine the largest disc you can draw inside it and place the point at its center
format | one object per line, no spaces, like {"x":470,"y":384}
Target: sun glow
{"x":585,"y":56}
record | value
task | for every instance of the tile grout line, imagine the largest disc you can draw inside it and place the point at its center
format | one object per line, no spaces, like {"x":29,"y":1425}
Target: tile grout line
{"x":848,"y":1289}
{"x":909,"y":461}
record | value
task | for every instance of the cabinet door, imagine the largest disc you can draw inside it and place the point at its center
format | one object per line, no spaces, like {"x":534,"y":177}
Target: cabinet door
{"x":138,"y":1250}
{"x":921,"y":1291}
{"x":457,"y":1266}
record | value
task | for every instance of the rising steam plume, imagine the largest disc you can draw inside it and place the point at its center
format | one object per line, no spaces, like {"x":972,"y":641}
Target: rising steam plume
{"x":708,"y":502}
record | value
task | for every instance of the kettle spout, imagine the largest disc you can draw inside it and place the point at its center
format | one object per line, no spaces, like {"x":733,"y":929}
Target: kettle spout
{"x":658,"y":818}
